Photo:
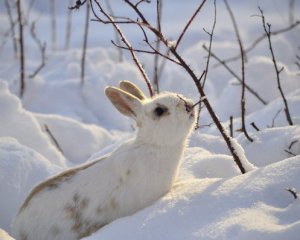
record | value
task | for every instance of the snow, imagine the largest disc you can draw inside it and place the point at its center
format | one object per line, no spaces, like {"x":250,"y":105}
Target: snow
{"x":251,"y":206}
{"x":60,"y":123}
{"x":21,"y":168}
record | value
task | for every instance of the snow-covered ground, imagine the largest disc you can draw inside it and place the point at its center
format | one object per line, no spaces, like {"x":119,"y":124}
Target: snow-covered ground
{"x":59,"y":124}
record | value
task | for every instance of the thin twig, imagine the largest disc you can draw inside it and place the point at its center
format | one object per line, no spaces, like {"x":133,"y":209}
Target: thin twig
{"x":189,"y":23}
{"x":154,"y":51}
{"x":210,"y":43}
{"x":267,"y":29}
{"x":292,"y":143}
{"x":290,"y":147}
{"x":274,"y":118}
{"x":42,"y":48}
{"x":12,"y":27}
{"x":21,"y":48}
{"x":126,"y":42}
{"x":55,"y":142}
{"x":293,"y":192}
{"x":200,"y":104}
{"x":111,"y":12}
{"x":157,"y":46}
{"x":254,"y":93}
{"x":254,"y":126}
{"x":259,"y":39}
{"x":231,"y":126}
{"x":142,"y":1}
{"x":205,"y":72}
{"x":243,"y":98}
{"x":289,"y":152}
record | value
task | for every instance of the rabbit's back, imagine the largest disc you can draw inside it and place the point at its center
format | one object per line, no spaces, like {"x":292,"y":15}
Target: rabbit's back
{"x":132,"y":178}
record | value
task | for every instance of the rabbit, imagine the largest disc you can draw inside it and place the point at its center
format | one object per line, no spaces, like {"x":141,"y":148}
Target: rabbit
{"x":81,"y":200}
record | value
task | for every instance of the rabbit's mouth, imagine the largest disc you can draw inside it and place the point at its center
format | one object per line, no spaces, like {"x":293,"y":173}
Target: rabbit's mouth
{"x":189,"y":107}
{"x":190,"y":110}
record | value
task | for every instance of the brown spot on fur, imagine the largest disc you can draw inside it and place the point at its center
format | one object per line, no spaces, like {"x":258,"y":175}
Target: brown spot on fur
{"x":113,"y":204}
{"x":55,"y":181}
{"x":74,"y":211}
{"x":84,"y":203}
{"x":81,"y":226}
{"x":128,"y":172}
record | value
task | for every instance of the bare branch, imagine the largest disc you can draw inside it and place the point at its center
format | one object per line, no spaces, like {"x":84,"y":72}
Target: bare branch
{"x":254,"y":126}
{"x":42,"y":48}
{"x":55,"y":142}
{"x":197,"y":83}
{"x":274,"y":118}
{"x":142,"y":1}
{"x":154,"y":52}
{"x":243,"y":98}
{"x":12,"y":27}
{"x":183,"y":63}
{"x":262,"y":37}
{"x":210,"y":43}
{"x":200,"y":103}
{"x":292,"y":143}
{"x":111,"y":12}
{"x":126,"y":42}
{"x":231,"y":126}
{"x":254,"y":93}
{"x":293,"y":192}
{"x":21,"y":48}
{"x":189,"y":23}
{"x":157,"y":46}
{"x":267,"y":29}
{"x":290,"y":153}
{"x":205,"y":72}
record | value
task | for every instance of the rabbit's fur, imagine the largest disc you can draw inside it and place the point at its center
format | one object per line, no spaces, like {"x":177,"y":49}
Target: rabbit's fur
{"x":81,"y":200}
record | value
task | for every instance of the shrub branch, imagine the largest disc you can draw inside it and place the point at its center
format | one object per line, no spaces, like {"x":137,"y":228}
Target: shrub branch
{"x":267,"y":29}
{"x":243,"y":98}
{"x":142,"y":22}
{"x":21,"y":49}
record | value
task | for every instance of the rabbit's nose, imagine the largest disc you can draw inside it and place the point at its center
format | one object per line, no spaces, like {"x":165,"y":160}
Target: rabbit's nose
{"x":188,"y":104}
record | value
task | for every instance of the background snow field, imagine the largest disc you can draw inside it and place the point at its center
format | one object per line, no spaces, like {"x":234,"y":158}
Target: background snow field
{"x":60,"y":124}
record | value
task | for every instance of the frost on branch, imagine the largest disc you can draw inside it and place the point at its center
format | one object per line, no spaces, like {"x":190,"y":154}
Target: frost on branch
{"x":171,"y":44}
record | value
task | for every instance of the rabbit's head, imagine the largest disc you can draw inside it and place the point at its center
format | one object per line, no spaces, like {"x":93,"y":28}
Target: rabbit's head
{"x":165,"y":119}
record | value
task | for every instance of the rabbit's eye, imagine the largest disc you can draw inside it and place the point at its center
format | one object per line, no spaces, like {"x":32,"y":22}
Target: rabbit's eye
{"x":159,"y":111}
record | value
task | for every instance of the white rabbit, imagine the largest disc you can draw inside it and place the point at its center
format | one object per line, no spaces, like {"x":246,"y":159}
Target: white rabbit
{"x":81,"y":200}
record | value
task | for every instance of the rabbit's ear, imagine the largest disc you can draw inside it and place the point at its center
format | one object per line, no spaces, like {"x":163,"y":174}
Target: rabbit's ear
{"x":132,"y":89}
{"x":125,"y":102}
